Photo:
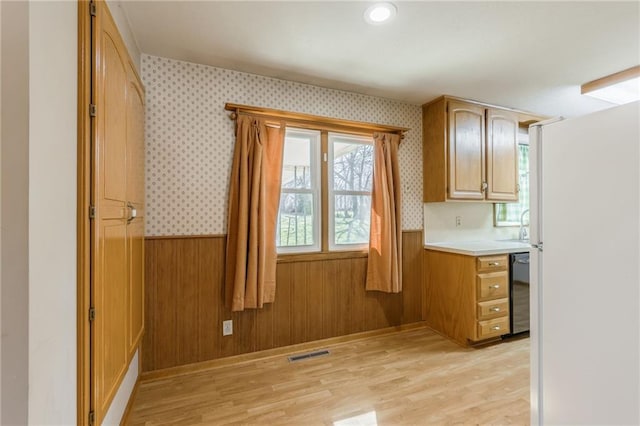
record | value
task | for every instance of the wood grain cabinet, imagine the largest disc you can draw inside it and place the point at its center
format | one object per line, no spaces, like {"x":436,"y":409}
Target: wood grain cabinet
{"x":466,"y":298}
{"x":470,"y":151}
{"x":117,"y":225}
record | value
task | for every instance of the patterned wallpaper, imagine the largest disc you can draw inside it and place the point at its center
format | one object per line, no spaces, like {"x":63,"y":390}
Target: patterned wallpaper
{"x":189,"y":138}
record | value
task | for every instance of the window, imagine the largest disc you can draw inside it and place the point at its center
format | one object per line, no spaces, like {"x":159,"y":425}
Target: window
{"x":350,"y":179}
{"x":508,"y":214}
{"x":298,"y":227}
{"x":331,"y":213}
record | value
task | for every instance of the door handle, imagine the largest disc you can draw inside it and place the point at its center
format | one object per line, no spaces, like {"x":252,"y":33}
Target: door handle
{"x":133,"y":213}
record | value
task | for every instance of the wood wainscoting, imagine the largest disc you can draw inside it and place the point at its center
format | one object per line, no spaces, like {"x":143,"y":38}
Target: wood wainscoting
{"x":315,"y":299}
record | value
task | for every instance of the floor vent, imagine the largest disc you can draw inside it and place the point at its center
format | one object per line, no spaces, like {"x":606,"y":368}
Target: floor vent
{"x":314,"y":354}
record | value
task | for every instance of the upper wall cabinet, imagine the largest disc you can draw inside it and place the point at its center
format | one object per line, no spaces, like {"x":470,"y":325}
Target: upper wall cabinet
{"x":470,"y":151}
{"x":502,"y":155}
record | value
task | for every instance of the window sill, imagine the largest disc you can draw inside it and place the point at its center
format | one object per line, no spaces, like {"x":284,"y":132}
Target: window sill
{"x":313,"y":257}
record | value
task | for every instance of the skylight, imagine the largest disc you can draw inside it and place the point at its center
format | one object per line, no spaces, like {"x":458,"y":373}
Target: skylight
{"x":619,"y":88}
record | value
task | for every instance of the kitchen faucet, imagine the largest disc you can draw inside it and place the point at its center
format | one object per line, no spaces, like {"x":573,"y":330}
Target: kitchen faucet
{"x":522,"y":235}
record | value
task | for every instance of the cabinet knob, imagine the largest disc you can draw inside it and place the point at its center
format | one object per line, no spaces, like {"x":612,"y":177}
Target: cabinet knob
{"x":495,"y":309}
{"x":496,"y":286}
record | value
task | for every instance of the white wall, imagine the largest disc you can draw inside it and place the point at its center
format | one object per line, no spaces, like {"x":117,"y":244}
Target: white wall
{"x":15,"y":169}
{"x":120,"y":401}
{"x":53,"y":28}
{"x":0,"y":213}
{"x":476,"y":223}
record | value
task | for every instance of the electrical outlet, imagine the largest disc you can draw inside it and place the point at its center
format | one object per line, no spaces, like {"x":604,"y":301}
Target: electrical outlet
{"x":458,"y":221}
{"x":227,"y":328}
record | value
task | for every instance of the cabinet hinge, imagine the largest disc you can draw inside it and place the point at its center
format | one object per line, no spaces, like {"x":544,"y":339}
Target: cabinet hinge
{"x":92,"y":212}
{"x":92,"y":110}
{"x":92,"y":417}
{"x":518,"y":188}
{"x":92,"y":9}
{"x":92,"y":314}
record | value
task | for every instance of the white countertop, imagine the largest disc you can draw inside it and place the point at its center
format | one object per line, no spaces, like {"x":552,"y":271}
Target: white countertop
{"x":480,"y":248}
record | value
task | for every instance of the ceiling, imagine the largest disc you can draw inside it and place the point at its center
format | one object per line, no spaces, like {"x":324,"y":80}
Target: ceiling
{"x":527,"y":55}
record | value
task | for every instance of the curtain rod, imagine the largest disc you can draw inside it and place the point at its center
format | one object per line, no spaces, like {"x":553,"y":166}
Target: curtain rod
{"x":295,"y":117}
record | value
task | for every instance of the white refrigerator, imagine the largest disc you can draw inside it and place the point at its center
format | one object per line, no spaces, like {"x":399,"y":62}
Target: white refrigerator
{"x":585,"y":269}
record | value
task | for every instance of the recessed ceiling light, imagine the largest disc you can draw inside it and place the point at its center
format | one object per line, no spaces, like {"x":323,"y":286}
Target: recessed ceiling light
{"x":619,"y":88}
{"x":380,"y":13}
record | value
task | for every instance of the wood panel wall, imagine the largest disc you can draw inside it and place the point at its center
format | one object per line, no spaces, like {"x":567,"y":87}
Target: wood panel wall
{"x":314,"y":300}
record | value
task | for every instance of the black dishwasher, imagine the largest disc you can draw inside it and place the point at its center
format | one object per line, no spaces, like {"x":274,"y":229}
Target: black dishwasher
{"x":519,"y":292}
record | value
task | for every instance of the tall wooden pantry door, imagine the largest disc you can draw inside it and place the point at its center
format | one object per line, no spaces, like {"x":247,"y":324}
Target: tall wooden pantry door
{"x":117,"y":226}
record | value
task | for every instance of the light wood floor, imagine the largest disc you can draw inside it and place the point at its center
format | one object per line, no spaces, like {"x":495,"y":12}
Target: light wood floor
{"x":410,"y":377}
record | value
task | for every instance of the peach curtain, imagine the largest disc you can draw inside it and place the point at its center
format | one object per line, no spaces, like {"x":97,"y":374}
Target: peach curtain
{"x":384,"y":268}
{"x":254,"y":195}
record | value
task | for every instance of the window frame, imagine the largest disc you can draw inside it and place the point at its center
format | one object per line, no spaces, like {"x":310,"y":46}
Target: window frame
{"x":315,"y":149}
{"x":331,"y":191}
{"x":286,"y":254}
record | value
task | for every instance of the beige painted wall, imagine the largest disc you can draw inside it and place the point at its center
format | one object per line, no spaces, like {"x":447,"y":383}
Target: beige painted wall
{"x":476,"y":223}
{"x":53,"y":28}
{"x":14,"y":170}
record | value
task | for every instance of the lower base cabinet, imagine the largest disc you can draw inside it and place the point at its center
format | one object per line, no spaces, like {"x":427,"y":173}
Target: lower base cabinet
{"x":466,"y":298}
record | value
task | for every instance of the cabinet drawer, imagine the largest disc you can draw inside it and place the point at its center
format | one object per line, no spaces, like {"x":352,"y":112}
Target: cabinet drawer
{"x":492,"y":309}
{"x":492,"y":263}
{"x":493,"y":328}
{"x":494,"y":285}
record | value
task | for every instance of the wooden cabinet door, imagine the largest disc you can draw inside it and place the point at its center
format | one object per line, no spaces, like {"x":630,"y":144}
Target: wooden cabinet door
{"x":466,"y":149}
{"x":135,"y":200}
{"x":502,"y":155}
{"x":117,"y":189}
{"x":109,"y":239}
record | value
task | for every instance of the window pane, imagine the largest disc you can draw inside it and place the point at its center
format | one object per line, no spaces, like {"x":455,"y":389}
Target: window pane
{"x":352,"y":217}
{"x":296,"y":161}
{"x":295,"y":221}
{"x":352,"y":166}
{"x":509,"y":213}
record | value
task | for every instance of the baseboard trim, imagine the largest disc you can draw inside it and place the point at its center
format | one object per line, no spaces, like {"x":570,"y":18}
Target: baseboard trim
{"x":150,"y":376}
{"x":127,"y":411}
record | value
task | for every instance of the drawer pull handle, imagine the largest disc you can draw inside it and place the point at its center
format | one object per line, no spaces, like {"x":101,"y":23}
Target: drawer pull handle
{"x":496,"y":328}
{"x":495,"y":309}
{"x":494,"y":263}
{"x":495,"y":286}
